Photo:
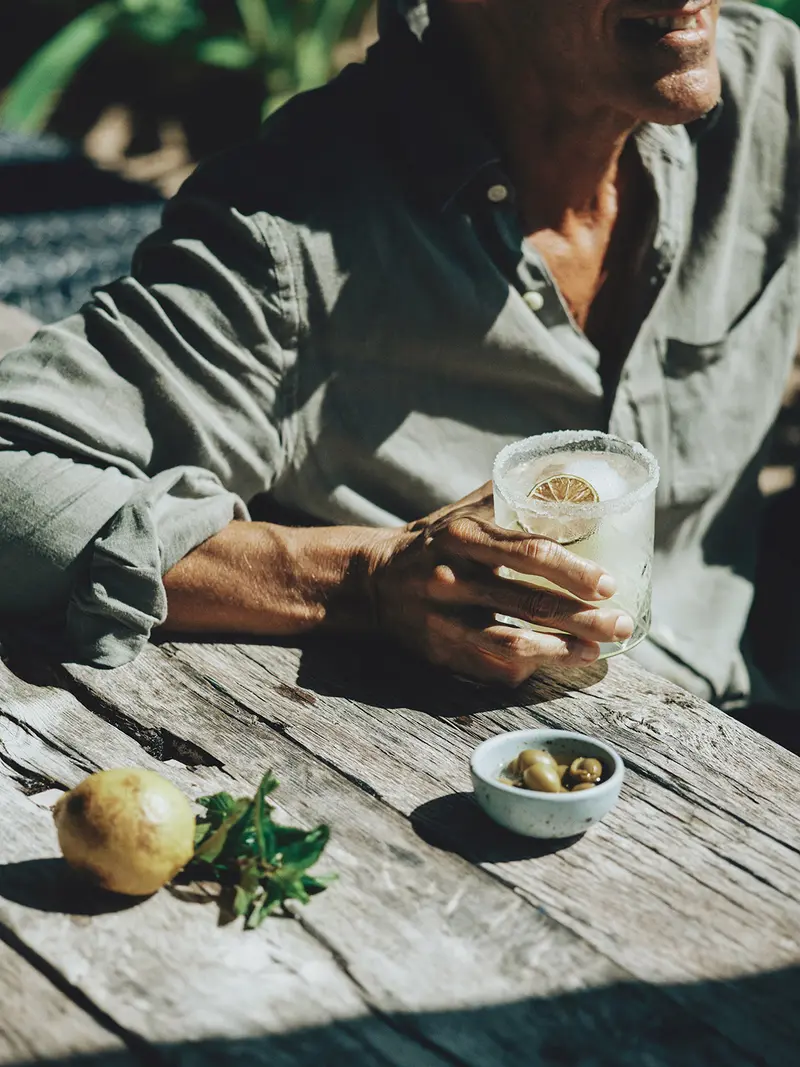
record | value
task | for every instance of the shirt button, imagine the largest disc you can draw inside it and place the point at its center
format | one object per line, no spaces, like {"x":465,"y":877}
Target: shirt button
{"x":497,"y":193}
{"x":534,"y":300}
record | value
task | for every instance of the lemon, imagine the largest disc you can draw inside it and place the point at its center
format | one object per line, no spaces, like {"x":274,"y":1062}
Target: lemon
{"x":563,"y":489}
{"x":129,"y":829}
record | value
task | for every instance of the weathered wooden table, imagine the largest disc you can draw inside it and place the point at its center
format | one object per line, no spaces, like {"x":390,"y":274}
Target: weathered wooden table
{"x":669,"y":934}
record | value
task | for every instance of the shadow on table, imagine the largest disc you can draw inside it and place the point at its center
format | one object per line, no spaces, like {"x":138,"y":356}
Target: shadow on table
{"x":383,"y":677}
{"x":627,"y":1024}
{"x":455,"y":823}
{"x":51,"y":885}
{"x":364,"y":670}
{"x":375,"y":673}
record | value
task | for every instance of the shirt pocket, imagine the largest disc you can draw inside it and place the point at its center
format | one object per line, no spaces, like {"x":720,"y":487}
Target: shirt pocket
{"x":723,"y":395}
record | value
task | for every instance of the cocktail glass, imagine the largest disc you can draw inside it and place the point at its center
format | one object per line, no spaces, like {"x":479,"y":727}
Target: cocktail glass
{"x":595,"y":494}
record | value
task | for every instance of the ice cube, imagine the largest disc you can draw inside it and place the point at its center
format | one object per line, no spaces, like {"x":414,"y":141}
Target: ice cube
{"x":599,"y":472}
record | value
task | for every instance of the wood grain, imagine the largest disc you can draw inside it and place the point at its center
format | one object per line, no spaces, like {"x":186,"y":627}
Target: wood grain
{"x":49,"y":738}
{"x":165,"y":971}
{"x":682,"y":889}
{"x":429,"y":948}
{"x":37,"y":1021}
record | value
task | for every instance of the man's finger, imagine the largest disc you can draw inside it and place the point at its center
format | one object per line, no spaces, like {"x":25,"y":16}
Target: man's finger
{"x":479,"y":502}
{"x":520,"y":600}
{"x":483,"y":542}
{"x":498,"y":653}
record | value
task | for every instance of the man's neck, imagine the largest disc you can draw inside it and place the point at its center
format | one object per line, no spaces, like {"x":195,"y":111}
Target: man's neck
{"x":565,"y":168}
{"x":564,"y":162}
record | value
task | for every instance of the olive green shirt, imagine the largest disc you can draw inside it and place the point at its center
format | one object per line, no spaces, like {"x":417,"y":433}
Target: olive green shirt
{"x":345,"y":314}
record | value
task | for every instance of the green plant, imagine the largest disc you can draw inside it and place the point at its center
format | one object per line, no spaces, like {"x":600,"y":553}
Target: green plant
{"x":288,"y":41}
{"x":260,"y":864}
{"x":789,"y":8}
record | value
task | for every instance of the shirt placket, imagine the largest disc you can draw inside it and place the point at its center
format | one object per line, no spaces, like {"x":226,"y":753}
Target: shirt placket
{"x":526,"y":271}
{"x":640,"y":410}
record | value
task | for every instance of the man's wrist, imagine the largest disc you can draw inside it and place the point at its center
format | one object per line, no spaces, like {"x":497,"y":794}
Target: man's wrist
{"x":336,"y":571}
{"x":263,"y":579}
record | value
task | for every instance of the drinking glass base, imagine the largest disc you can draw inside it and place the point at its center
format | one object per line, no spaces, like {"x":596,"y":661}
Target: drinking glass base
{"x":608,"y":649}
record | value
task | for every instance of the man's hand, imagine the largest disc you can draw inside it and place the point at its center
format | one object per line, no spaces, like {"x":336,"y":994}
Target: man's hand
{"x":432,"y":586}
{"x":436,"y":590}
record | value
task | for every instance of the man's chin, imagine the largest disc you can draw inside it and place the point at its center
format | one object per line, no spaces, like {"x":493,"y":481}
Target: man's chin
{"x":681,"y":98}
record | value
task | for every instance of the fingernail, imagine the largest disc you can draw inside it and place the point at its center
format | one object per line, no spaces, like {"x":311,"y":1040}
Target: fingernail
{"x":624,"y":628}
{"x":587,"y":653}
{"x":606,"y":586}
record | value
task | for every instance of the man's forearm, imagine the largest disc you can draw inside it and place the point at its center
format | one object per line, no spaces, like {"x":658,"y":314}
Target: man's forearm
{"x":258,"y":578}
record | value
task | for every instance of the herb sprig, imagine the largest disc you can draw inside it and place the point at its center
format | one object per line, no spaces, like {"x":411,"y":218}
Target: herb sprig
{"x":261,"y":864}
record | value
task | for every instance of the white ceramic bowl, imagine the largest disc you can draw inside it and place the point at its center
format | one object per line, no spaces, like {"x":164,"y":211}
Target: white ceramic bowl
{"x":544,"y":815}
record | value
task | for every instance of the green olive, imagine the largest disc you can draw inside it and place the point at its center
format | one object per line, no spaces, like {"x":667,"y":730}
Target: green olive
{"x":530,"y":756}
{"x":581,"y":786}
{"x":586,"y":769}
{"x":542,"y":778}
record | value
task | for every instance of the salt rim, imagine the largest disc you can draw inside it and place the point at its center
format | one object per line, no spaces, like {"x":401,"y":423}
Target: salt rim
{"x":552,"y":442}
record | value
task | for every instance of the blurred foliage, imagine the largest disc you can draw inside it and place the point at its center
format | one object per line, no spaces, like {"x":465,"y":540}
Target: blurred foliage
{"x":289,"y":43}
{"x":789,"y":8}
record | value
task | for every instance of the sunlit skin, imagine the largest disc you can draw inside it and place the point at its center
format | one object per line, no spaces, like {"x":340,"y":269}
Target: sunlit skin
{"x":565,"y":83}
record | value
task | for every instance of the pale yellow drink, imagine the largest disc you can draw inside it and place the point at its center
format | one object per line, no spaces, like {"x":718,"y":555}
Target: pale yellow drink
{"x":608,"y":515}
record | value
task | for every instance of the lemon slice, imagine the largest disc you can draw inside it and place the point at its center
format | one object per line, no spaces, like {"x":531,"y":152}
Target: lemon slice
{"x":563,"y":489}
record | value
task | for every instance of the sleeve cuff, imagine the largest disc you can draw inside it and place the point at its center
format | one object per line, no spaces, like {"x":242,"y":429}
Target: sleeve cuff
{"x":119,"y":596}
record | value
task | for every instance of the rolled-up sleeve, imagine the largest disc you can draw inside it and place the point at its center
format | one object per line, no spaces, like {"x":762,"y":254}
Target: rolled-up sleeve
{"x":134,"y":431}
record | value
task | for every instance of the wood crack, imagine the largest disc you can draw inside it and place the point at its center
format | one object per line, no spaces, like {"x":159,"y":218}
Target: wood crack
{"x":150,"y":1055}
{"x":159,"y":742}
{"x":279,"y":727}
{"x":680,"y":789}
{"x":749,"y":871}
{"x":396,"y":1022}
{"x":71,"y":754}
{"x":30,"y":782}
{"x":730,"y":859}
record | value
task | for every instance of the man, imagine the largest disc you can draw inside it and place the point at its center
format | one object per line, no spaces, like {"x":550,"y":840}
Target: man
{"x":517,"y":216}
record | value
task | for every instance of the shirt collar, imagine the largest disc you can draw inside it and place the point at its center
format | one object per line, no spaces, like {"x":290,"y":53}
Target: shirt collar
{"x":700,"y":127}
{"x":435,"y":139}
{"x":431,"y":134}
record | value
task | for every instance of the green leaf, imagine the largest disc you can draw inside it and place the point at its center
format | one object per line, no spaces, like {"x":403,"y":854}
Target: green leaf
{"x":34,"y":93}
{"x":231,"y":53}
{"x":269,"y":783}
{"x":245,"y":896}
{"x":162,"y":21}
{"x":313,"y":60}
{"x":269,"y":903}
{"x":250,"y":877}
{"x":258,"y":26}
{"x":304,"y":853}
{"x":200,"y":831}
{"x":262,"y":818}
{"x":218,"y":804}
{"x":288,"y":835}
{"x":281,"y":16}
{"x":296,"y":891}
{"x":315,"y":41}
{"x":242,"y":843}
{"x":215,"y":842}
{"x":317,"y":884}
{"x":789,"y":8}
{"x":258,"y":864}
